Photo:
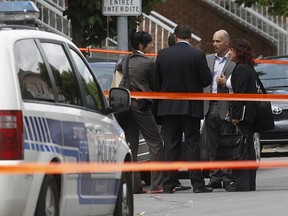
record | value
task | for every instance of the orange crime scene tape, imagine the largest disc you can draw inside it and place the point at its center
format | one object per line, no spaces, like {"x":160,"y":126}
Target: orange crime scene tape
{"x":155,"y":54}
{"x":207,"y":96}
{"x":82,"y":167}
{"x":111,"y":51}
{"x":87,"y":167}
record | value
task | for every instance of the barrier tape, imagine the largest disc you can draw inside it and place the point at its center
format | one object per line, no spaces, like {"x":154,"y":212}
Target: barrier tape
{"x":155,"y":54}
{"x":88,"y":167}
{"x":207,"y":96}
{"x":268,"y":61}
{"x":111,"y":51}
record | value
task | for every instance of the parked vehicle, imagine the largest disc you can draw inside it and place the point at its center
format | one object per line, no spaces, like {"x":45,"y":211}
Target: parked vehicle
{"x":52,"y":110}
{"x":275,"y":80}
{"x":104,"y":72}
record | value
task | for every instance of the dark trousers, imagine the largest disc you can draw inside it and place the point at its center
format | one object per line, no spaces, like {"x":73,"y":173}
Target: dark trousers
{"x":212,"y":125}
{"x":173,"y":128}
{"x":245,"y":179}
{"x":146,"y":124}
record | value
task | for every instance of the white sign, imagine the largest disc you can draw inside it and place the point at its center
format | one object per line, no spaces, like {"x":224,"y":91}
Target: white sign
{"x":122,"y":7}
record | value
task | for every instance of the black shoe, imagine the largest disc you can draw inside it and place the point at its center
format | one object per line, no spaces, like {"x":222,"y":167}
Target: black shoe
{"x":168,"y":191}
{"x":226,"y":183}
{"x":180,"y":187}
{"x":202,"y":190}
{"x":214,"y":185}
{"x":231,"y":187}
{"x":142,"y":191}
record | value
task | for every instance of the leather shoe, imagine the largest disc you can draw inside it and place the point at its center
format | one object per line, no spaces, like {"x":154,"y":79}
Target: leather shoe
{"x":226,"y":183}
{"x":231,"y":187}
{"x":214,"y":185}
{"x":142,"y":191}
{"x":181,"y":187}
{"x":202,"y":190}
{"x":168,"y":191}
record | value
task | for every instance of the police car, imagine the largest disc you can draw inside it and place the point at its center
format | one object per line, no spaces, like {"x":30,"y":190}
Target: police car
{"x":52,"y":110}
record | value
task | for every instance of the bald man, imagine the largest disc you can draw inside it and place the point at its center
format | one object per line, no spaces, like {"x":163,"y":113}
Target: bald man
{"x":215,"y":111}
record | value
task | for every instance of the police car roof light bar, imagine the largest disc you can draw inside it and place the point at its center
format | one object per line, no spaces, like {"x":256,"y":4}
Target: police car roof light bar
{"x":18,"y":11}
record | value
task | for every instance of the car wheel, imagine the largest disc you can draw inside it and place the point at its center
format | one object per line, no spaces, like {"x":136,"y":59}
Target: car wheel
{"x":48,"y":201}
{"x":257,"y":146}
{"x":125,"y":202}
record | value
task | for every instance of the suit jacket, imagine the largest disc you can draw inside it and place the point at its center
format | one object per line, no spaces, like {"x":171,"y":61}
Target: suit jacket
{"x":181,"y":68}
{"x":227,"y":71}
{"x":243,"y":80}
{"x":140,"y":71}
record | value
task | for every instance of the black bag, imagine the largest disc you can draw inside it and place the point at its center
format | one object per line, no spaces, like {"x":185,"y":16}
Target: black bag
{"x":232,"y":143}
{"x":144,"y":104}
{"x":264,"y":119}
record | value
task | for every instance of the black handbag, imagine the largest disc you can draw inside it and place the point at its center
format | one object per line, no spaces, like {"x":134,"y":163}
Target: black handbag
{"x":232,"y":143}
{"x":264,"y":119}
{"x":144,"y":104}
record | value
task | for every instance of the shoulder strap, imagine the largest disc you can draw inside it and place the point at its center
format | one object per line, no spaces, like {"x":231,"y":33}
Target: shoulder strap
{"x":126,"y":76}
{"x":260,"y":84}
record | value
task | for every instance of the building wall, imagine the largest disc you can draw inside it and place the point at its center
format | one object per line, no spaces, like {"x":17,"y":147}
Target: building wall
{"x":205,"y":20}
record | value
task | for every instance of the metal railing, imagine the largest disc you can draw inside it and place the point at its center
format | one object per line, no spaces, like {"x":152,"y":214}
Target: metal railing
{"x":51,"y":16}
{"x":257,"y":19}
{"x":160,"y":28}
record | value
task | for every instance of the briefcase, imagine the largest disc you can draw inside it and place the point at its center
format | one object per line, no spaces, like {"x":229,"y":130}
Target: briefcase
{"x":232,"y":143}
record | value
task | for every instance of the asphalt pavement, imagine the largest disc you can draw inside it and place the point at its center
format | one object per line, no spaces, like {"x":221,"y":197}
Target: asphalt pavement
{"x":269,"y":199}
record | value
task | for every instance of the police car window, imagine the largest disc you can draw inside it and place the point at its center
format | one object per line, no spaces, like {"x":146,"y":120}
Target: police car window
{"x":93,"y":92}
{"x":65,"y":79}
{"x":32,"y":72}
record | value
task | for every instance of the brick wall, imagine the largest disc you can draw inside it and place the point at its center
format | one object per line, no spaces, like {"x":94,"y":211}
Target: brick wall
{"x":205,"y":20}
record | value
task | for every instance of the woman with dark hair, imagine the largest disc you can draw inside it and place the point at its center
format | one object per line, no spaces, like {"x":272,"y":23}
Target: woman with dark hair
{"x":138,"y":76}
{"x":242,"y":113}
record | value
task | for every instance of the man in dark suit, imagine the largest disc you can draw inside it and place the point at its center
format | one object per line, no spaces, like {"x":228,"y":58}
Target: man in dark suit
{"x":181,"y":68}
{"x":216,"y":111}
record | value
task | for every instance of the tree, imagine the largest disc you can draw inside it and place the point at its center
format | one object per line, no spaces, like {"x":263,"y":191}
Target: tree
{"x":90,"y":27}
{"x":276,"y":7}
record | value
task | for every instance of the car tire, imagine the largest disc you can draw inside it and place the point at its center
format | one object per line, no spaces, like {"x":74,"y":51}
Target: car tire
{"x":125,"y":201}
{"x":48,"y":201}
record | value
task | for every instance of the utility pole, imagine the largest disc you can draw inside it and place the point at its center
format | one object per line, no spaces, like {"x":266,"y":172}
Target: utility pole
{"x":122,"y":33}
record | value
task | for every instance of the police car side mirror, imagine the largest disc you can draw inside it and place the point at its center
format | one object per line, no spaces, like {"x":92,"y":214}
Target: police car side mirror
{"x":119,"y":99}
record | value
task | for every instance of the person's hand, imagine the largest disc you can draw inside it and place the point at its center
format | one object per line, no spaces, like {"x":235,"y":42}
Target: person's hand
{"x":235,"y":121}
{"x":221,"y":80}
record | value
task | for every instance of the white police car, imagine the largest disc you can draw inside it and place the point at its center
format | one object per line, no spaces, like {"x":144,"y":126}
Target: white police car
{"x":52,"y":110}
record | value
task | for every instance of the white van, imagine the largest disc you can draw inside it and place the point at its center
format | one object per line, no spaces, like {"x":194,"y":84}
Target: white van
{"x":52,"y":110}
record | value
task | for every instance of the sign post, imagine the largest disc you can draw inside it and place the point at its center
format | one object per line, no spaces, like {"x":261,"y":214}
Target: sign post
{"x":122,"y":9}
